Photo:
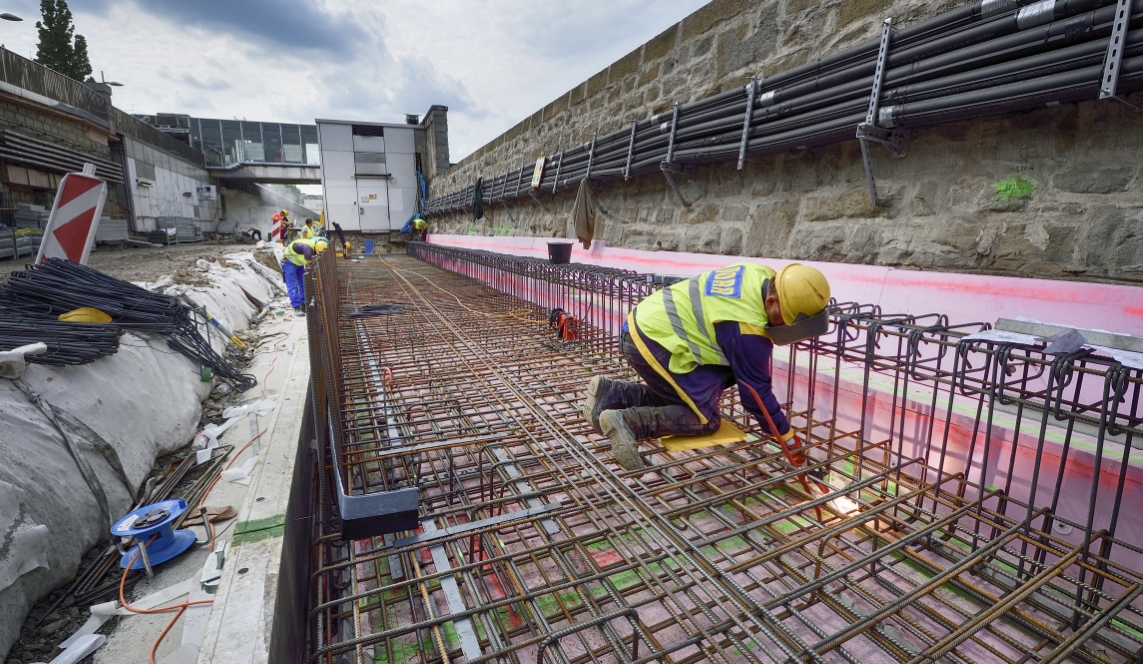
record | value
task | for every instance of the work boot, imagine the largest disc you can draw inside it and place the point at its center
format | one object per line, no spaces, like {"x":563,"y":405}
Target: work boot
{"x":624,"y":446}
{"x":606,"y":394}
{"x":301,"y":311}
{"x":592,"y":405}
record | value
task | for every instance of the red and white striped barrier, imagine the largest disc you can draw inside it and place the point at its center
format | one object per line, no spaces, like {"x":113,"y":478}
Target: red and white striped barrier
{"x":74,"y":218}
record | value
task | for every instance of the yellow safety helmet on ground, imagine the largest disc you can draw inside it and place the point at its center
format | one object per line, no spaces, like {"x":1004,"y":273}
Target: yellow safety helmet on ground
{"x":320,"y":244}
{"x":803,"y":295}
{"x":85,"y":315}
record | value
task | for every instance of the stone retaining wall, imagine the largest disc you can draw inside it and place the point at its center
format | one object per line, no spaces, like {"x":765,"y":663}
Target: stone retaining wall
{"x":1050,"y":193}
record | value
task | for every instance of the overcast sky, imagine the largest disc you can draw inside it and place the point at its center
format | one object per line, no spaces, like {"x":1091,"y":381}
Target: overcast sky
{"x":492,"y":62}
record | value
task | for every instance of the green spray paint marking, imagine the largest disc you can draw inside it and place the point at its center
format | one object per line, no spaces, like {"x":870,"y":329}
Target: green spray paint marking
{"x":256,"y":530}
{"x":1010,"y":189}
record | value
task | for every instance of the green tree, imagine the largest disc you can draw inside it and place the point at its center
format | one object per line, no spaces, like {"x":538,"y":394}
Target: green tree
{"x":56,"y":50}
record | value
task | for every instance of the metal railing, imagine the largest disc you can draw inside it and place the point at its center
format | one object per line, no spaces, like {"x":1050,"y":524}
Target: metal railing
{"x":34,"y":77}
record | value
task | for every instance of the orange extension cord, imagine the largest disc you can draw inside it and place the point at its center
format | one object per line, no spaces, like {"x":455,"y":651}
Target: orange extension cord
{"x":180,"y":608}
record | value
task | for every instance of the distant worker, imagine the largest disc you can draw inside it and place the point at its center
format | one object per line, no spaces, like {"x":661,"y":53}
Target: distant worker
{"x":285,"y":215}
{"x":420,"y":229}
{"x":308,"y":231}
{"x":300,"y":253}
{"x":692,"y":340}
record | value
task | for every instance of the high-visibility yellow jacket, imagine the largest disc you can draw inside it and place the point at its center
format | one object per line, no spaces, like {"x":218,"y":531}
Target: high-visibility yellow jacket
{"x":681,"y":317}
{"x":297,"y":257}
{"x":420,"y":224}
{"x":309,"y":232}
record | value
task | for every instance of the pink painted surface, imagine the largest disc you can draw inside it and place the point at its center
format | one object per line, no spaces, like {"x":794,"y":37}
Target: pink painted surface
{"x":963,"y":297}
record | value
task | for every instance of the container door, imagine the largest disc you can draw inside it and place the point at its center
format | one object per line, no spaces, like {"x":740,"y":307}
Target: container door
{"x":373,"y":204}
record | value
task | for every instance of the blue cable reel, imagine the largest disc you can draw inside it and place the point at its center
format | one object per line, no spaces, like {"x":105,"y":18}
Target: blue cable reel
{"x":150,"y":520}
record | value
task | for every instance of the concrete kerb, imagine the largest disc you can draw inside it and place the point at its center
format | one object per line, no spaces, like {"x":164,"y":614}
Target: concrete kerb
{"x":242,"y":614}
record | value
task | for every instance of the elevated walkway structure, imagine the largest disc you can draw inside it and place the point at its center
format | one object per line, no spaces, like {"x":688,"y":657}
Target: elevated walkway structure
{"x":266,"y":173}
{"x":980,"y":511}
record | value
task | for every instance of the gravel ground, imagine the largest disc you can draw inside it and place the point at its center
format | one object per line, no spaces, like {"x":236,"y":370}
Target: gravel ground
{"x":142,"y":263}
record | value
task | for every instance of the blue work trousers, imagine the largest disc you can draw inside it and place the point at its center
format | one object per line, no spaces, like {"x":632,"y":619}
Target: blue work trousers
{"x":294,"y":282}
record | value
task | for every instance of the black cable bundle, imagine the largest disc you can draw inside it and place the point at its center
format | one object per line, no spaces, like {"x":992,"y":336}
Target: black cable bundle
{"x":59,"y":286}
{"x":68,"y":343}
{"x":33,"y":299}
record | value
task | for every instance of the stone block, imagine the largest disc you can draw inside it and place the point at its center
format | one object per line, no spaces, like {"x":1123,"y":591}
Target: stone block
{"x":578,"y":94}
{"x":852,"y":203}
{"x":648,"y":74}
{"x":596,"y":83}
{"x":625,"y":66}
{"x":1115,"y":242}
{"x":769,"y":230}
{"x":864,"y":244}
{"x":796,"y":6}
{"x":924,"y":199}
{"x":711,"y":14}
{"x":731,"y":242}
{"x":702,"y":239}
{"x":850,"y":11}
{"x":1093,"y":180}
{"x":818,"y":242}
{"x":701,"y":47}
{"x":661,"y":44}
{"x":702,"y":214}
{"x":556,"y":107}
{"x":736,"y":53}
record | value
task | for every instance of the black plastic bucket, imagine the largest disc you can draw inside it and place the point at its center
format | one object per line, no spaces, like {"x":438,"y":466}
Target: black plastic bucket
{"x":559,"y":253}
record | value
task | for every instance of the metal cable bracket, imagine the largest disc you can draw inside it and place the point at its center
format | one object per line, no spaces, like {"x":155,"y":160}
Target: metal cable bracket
{"x":1115,"y":44}
{"x":669,"y":166}
{"x":751,"y":93}
{"x":532,"y":193}
{"x":630,"y":151}
{"x":896,"y":140}
{"x":591,"y":156}
{"x":556,"y":180}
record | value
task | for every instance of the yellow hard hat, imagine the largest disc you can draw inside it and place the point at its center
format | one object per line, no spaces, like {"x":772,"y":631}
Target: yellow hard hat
{"x":802,"y":291}
{"x":320,"y":244}
{"x":85,"y":315}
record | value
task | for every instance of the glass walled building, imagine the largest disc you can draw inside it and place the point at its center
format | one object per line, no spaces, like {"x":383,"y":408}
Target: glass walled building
{"x":226,"y":142}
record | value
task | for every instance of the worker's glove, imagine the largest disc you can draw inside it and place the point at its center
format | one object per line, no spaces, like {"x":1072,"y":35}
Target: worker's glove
{"x":794,"y":445}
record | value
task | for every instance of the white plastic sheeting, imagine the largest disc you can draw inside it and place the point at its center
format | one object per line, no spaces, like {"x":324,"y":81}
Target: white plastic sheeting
{"x":145,"y":401}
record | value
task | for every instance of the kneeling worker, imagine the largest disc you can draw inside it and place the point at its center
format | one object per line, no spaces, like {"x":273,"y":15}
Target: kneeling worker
{"x":298,"y":254}
{"x":692,"y":340}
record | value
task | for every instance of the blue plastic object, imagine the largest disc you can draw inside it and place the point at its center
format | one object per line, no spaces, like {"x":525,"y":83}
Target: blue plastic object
{"x":148,"y":521}
{"x":369,"y":247}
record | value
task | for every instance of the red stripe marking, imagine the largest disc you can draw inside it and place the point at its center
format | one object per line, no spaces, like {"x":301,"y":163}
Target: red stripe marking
{"x":72,"y":236}
{"x":75,"y":186}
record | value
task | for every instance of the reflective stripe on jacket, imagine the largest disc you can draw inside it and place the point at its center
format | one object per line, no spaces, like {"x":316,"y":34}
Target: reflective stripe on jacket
{"x":297,"y":257}
{"x":681,"y":317}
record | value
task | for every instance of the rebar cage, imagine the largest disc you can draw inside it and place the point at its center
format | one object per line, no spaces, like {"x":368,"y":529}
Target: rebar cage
{"x":984,"y":507}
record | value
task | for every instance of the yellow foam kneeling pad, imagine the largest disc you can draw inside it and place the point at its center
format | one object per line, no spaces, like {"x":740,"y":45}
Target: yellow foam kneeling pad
{"x":727,"y":433}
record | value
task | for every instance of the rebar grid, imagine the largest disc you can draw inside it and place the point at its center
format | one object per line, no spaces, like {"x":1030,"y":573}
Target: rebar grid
{"x":534,"y":546}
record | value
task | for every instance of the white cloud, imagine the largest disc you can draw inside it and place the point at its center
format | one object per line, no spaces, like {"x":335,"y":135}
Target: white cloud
{"x":492,"y":62}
